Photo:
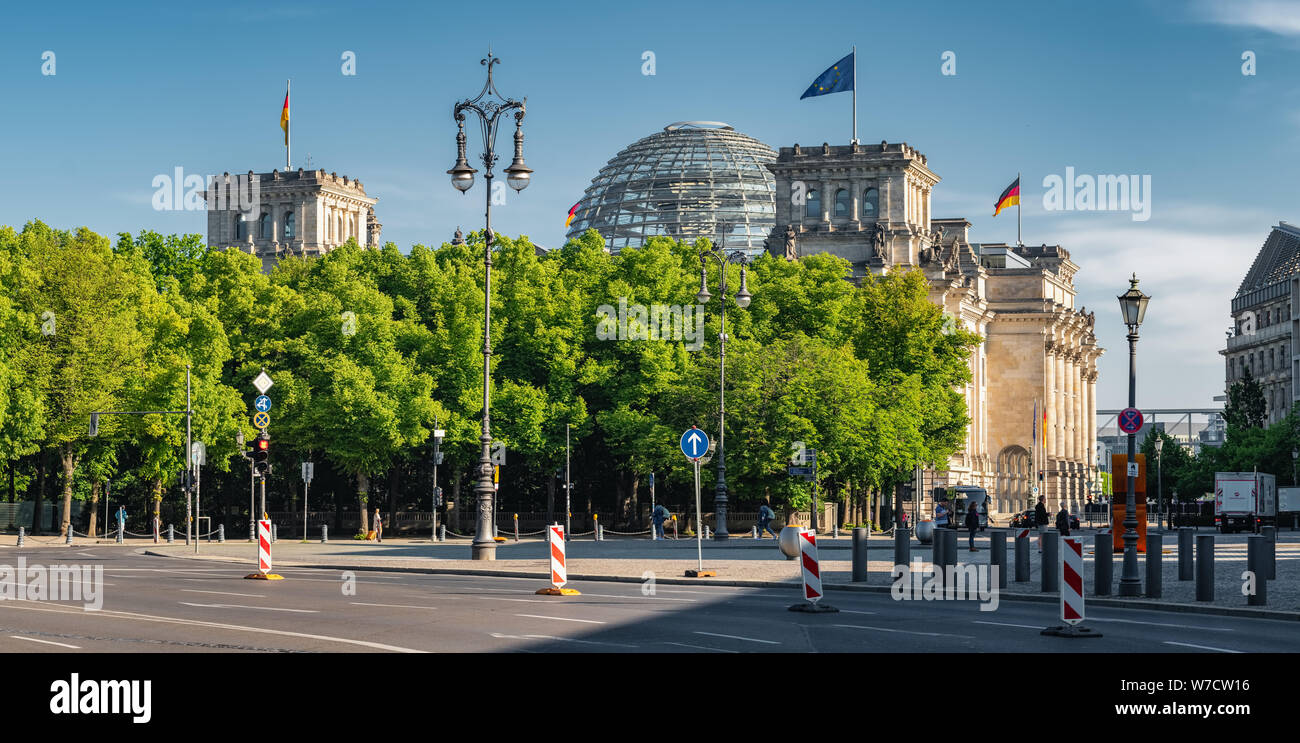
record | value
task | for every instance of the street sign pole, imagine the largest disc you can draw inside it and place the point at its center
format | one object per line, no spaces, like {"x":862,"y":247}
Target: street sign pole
{"x":699,"y":521}
{"x":568,"y":508}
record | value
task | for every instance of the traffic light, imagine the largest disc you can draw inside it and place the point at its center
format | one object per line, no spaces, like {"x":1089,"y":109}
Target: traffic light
{"x":262,"y":453}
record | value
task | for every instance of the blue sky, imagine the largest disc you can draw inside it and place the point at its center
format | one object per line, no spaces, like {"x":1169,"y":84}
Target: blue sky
{"x":1148,"y":88}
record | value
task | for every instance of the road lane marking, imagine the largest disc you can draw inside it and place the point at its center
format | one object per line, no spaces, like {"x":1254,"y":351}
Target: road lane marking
{"x":224,"y":593}
{"x":47,"y":642}
{"x":241,"y":606}
{"x":502,"y":598}
{"x":1008,"y":624}
{"x":636,"y":596}
{"x":738,"y":637}
{"x":562,"y":619}
{"x":393,"y":606}
{"x":133,"y":616}
{"x":701,"y":647}
{"x":1163,"y":624}
{"x":852,"y":611}
{"x":502,"y":636}
{"x":902,"y":631}
{"x":1202,"y":647}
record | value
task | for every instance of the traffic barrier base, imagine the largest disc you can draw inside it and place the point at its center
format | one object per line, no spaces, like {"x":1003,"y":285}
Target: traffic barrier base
{"x":558,"y":592}
{"x":263,"y":576}
{"x":817,"y":608}
{"x":1071,"y":630}
{"x":693,"y":573}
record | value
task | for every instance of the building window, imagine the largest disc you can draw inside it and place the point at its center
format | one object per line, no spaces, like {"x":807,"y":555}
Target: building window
{"x":339,"y":225}
{"x":842,"y":208}
{"x":264,"y":226}
{"x":870,"y":204}
{"x":288,"y":225}
{"x":814,"y":207}
{"x":241,"y":227}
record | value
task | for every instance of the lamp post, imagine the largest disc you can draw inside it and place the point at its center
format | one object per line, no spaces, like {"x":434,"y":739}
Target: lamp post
{"x":742,"y":300}
{"x":518,"y":175}
{"x":1295,"y":454}
{"x":1160,"y":490}
{"x":1133,"y":304}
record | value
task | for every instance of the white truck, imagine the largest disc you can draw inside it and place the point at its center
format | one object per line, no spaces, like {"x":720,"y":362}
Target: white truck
{"x":1244,"y":501}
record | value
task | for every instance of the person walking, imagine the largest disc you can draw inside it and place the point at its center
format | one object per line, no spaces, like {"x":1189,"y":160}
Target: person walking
{"x":121,"y":518}
{"x":1040,"y":519}
{"x":941,"y":515}
{"x":1063,"y":521}
{"x":765,"y":516}
{"x":659,"y":516}
{"x":972,"y":525}
{"x":379,"y":526}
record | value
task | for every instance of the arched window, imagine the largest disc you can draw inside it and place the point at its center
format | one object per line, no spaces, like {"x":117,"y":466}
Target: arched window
{"x":264,"y":226}
{"x":339,"y":225}
{"x":352,"y":227}
{"x":842,"y":208}
{"x":241,"y":227}
{"x":814,"y":204}
{"x":870,"y":204}
{"x":288,"y":225}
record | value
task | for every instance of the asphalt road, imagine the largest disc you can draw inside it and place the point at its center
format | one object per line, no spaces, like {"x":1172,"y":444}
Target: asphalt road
{"x":156,"y":604}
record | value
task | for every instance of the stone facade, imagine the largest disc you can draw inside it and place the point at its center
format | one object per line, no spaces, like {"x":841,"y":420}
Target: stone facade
{"x":870,"y":204}
{"x":295,"y":213}
{"x":1263,"y":329}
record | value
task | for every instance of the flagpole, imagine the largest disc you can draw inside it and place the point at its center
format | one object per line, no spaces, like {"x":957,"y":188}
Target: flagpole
{"x":855,"y":94}
{"x":288,"y":126}
{"x":1019,"y":199}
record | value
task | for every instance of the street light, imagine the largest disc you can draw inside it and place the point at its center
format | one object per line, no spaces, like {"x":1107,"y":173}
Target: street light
{"x":1160,"y":491}
{"x":1133,"y":304}
{"x":518,"y":177}
{"x":743,"y":298}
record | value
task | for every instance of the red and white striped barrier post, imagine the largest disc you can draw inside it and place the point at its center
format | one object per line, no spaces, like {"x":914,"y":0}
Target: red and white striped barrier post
{"x":264,"y":553}
{"x":1071,"y":586}
{"x":559,"y":567}
{"x":810,"y":568}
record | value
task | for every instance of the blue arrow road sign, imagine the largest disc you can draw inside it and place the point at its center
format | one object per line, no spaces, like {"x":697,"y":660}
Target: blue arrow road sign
{"x":262,"y":403}
{"x":694,"y":443}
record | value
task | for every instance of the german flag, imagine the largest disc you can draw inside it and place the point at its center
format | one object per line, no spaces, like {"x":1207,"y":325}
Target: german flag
{"x":284,"y":118}
{"x":572,"y":211}
{"x":1009,"y":197}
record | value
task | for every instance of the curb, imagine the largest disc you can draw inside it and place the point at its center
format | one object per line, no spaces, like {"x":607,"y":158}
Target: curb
{"x":1050,"y":598}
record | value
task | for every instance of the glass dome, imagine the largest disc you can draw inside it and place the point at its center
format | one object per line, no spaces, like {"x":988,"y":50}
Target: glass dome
{"x":694,"y":179}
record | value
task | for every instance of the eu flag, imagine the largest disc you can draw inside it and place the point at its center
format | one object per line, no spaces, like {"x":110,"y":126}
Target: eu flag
{"x":837,"y":79}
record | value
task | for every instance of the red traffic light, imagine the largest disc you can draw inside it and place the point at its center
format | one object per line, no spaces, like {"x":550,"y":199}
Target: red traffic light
{"x":263,"y":444}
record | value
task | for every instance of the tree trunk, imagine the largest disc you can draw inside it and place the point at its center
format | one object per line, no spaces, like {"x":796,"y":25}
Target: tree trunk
{"x":363,"y":490}
{"x":42,"y":460}
{"x":12,"y":465}
{"x":94,"y":508}
{"x":157,"y":507}
{"x":69,"y":461}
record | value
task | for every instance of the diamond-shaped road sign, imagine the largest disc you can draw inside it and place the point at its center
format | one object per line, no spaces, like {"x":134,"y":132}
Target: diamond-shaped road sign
{"x":263,"y":382}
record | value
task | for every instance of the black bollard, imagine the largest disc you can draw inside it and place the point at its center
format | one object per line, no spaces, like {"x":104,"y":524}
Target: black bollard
{"x":1022,"y":558}
{"x":902,"y":547}
{"x":1204,"y":567}
{"x":1186,"y":569}
{"x":1103,"y":553}
{"x":1257,"y":564}
{"x":998,"y":558}
{"x":1270,"y":551}
{"x":859,"y":554}
{"x":1154,"y":553}
{"x":1049,"y":564}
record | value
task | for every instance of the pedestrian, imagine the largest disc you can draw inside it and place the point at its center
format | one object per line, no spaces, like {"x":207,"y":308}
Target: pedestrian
{"x":121,"y":518}
{"x":1063,"y":521}
{"x":1040,"y":519}
{"x":972,"y":524}
{"x":659,"y":516}
{"x":765,"y":516}
{"x":940,"y":514}
{"x":379,"y":526}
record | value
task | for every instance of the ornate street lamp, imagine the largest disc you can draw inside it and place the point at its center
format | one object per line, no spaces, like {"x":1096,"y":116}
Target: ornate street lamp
{"x":1133,"y":304}
{"x":518,"y":176}
{"x":743,"y":297}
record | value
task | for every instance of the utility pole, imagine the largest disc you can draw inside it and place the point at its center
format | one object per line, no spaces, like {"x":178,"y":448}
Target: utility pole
{"x":438,"y":435}
{"x":568,"y":507}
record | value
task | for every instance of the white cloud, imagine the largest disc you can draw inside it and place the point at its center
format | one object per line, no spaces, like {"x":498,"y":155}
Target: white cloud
{"x":1280,"y":17}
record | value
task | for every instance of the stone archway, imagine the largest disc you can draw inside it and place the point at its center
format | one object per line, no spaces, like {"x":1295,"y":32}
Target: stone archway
{"x":1013,"y":476}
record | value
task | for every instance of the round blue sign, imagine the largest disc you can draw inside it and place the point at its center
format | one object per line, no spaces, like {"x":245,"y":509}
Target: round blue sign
{"x":694,"y":443}
{"x":262,"y":403}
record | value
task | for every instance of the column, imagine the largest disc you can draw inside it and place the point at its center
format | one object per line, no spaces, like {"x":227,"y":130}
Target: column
{"x":824,"y":188}
{"x":1068,"y":401}
{"x":1047,"y":433}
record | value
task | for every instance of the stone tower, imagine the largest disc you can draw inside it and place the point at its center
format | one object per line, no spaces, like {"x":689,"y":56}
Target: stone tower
{"x":291,"y":213}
